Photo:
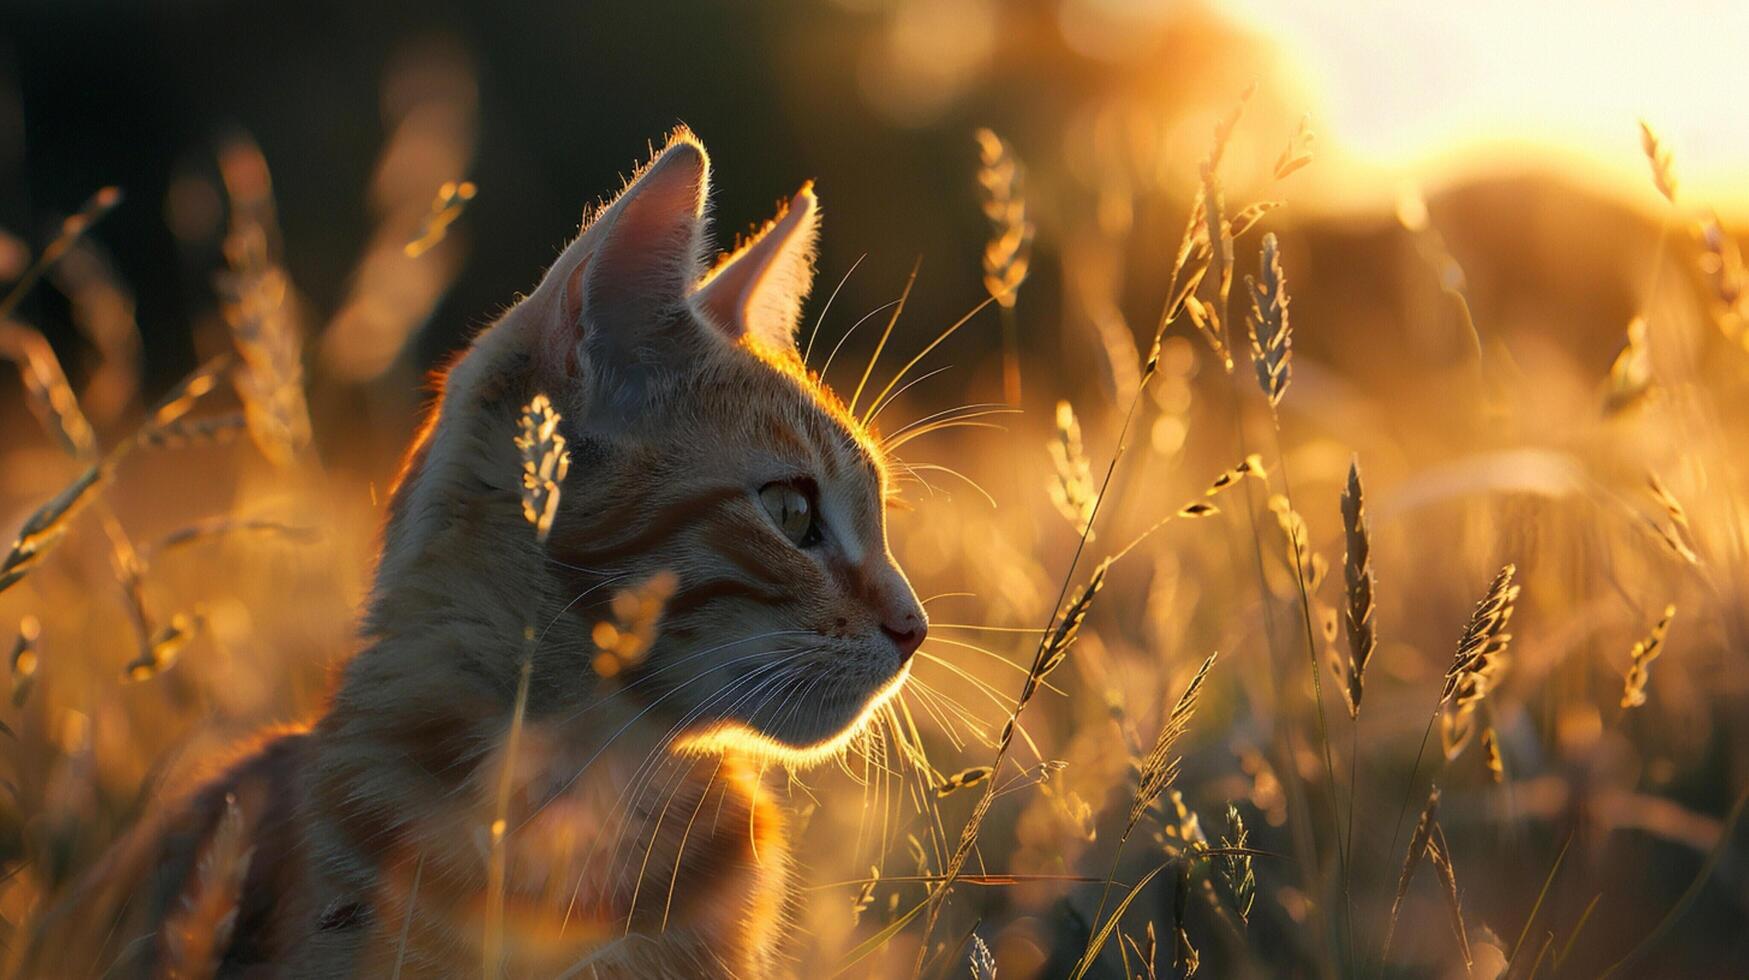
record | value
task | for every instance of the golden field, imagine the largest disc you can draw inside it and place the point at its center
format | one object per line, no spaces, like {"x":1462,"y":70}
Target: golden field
{"x":1166,"y":330}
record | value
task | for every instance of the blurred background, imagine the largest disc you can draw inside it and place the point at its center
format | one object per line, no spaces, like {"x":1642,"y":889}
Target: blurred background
{"x":1495,"y":308}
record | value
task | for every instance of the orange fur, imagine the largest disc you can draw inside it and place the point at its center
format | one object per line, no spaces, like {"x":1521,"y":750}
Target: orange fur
{"x":632,"y":847}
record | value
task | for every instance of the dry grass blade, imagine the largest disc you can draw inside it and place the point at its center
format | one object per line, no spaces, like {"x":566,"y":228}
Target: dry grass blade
{"x":1097,"y":941}
{"x":1144,"y":956}
{"x":1439,"y":855}
{"x":1063,"y":635}
{"x":1484,"y":639}
{"x":1194,"y":252}
{"x":1640,"y":660}
{"x":1298,"y":151}
{"x":961,"y":780}
{"x":1073,"y":490}
{"x":24,"y":659}
{"x":190,"y":390}
{"x":1630,"y":374}
{"x":1357,"y":574}
{"x":981,"y":961}
{"x":1002,"y":190}
{"x":1667,"y":500}
{"x":1721,"y":266}
{"x":451,"y":198}
{"x":1228,"y":123}
{"x":160,"y":649}
{"x":258,"y":306}
{"x":225,"y":524}
{"x":1658,"y":156}
{"x":42,"y":529}
{"x":185,"y":433}
{"x":1300,"y":555}
{"x":72,"y":229}
{"x":1159,"y":767}
{"x":1184,"y":954}
{"x":1676,"y":534}
{"x":1193,"y":257}
{"x":1053,"y":647}
{"x":199,"y":931}
{"x":1491,"y":754}
{"x":545,"y":462}
{"x":1248,"y":217}
{"x":865,"y":895}
{"x":1008,"y":252}
{"x":1236,"y":868}
{"x":1412,"y":860}
{"x":1210,"y":318}
{"x":46,"y":389}
{"x":1270,"y":330}
{"x":1251,"y":465}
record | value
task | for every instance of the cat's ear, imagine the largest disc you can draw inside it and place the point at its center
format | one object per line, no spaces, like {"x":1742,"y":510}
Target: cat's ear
{"x":619,"y":285}
{"x":758,"y":290}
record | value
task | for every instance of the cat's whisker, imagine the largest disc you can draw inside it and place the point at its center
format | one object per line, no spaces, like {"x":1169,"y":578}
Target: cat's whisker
{"x":1002,"y":702}
{"x":576,"y":599}
{"x":549,"y":559}
{"x":864,"y":319}
{"x":985,"y":628}
{"x":662,"y":815}
{"x":946,"y":595}
{"x":950,"y":471}
{"x":808,"y":351}
{"x":942,"y":426}
{"x":910,"y":473}
{"x":944,"y":722}
{"x":572,"y":780}
{"x":993,"y":655}
{"x":952,"y":328}
{"x":659,"y":756}
{"x":875,"y":409}
{"x":974,"y":725}
{"x":881,"y":345}
{"x":680,"y":851}
{"x":911,"y":740}
{"x":994,"y":407}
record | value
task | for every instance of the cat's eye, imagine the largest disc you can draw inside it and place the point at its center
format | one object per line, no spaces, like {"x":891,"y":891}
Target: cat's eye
{"x":792,"y":509}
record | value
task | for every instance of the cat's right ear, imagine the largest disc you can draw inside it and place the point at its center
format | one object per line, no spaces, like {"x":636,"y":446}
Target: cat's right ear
{"x":607,"y":303}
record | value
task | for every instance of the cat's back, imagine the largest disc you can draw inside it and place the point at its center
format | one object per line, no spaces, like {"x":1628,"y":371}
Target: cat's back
{"x":212,"y":886}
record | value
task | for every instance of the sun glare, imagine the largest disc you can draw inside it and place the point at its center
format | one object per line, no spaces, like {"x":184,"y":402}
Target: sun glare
{"x":1402,"y":87}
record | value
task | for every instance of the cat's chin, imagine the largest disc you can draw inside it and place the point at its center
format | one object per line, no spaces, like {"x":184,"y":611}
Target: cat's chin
{"x":824,"y":737}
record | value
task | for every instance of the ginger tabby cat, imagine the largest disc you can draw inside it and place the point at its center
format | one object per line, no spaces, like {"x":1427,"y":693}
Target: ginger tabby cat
{"x":639,"y":841}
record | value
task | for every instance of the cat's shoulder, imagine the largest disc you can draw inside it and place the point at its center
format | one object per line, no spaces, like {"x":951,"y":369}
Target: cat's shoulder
{"x":214,"y":877}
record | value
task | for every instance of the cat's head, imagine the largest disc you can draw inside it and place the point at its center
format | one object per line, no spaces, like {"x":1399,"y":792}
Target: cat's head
{"x":701,"y":449}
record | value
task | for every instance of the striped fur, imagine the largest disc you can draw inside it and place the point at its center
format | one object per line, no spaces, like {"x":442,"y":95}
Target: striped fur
{"x":640,"y":839}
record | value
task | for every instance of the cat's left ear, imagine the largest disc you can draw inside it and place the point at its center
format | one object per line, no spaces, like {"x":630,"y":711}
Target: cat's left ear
{"x":612,"y":301}
{"x":758,"y":290}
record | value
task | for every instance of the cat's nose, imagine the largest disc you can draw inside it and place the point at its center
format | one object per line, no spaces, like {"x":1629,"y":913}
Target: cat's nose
{"x":907,"y":635}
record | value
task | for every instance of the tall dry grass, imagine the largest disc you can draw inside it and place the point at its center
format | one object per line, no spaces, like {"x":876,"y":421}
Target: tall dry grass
{"x":1034,"y":803}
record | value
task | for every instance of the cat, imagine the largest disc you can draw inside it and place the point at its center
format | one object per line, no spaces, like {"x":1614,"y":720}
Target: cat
{"x":638,"y":838}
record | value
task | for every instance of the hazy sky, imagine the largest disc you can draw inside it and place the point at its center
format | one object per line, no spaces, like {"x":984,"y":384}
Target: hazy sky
{"x":1397,"y":82}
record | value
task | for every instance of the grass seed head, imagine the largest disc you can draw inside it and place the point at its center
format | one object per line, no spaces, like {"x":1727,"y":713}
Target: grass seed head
{"x":1357,"y":574}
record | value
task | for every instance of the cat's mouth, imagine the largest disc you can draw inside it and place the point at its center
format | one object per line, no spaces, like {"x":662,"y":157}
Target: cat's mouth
{"x":802,"y":748}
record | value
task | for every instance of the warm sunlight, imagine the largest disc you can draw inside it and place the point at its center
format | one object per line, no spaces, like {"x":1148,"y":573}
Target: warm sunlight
{"x":736,"y":738}
{"x":1408,"y":88}
{"x":470,"y":471}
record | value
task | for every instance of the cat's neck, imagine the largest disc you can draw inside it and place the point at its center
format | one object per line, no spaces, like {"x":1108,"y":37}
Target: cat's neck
{"x":607,"y":830}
